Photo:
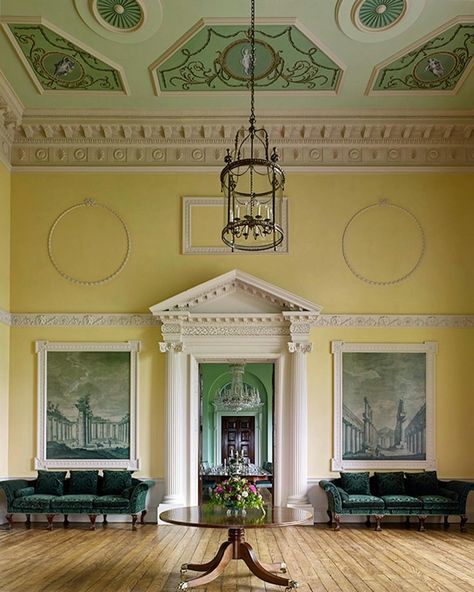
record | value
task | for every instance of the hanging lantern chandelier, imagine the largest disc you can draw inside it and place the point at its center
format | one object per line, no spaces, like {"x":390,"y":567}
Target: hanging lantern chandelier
{"x":252,"y":181}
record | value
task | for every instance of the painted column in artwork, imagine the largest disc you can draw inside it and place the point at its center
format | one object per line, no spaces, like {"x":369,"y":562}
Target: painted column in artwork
{"x":298,"y":426}
{"x":175,"y":411}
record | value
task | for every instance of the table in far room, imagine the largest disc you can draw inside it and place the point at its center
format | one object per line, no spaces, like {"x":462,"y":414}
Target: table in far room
{"x":235,"y":547}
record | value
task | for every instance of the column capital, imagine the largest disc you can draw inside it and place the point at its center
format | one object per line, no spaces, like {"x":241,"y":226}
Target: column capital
{"x":300,"y":348}
{"x":171,"y":346}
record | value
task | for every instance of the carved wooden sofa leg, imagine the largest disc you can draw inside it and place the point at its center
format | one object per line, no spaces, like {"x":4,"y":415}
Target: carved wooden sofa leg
{"x":66,"y":521}
{"x":367,"y":521}
{"x":104,"y":521}
{"x":9,"y":518}
{"x":134,"y":521}
{"x":378,"y":522}
{"x":337,"y":522}
{"x":50,"y":518}
{"x":28,"y":521}
{"x":422,"y":520}
{"x":142,"y":517}
{"x":407,"y":522}
{"x":463,"y":522}
{"x":329,"y":513}
{"x":92,"y":518}
{"x":446,"y":522}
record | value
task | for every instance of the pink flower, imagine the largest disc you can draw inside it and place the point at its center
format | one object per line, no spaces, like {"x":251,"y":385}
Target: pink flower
{"x":252,"y":487}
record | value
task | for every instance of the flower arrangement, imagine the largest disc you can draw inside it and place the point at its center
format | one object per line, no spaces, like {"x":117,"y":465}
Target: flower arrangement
{"x":237,"y":492}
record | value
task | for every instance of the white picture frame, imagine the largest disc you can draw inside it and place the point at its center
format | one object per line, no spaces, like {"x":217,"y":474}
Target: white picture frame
{"x":87,"y":405}
{"x":188,"y":248}
{"x":384,"y":405}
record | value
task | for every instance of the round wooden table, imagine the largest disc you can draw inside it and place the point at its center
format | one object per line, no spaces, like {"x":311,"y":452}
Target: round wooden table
{"x":235,"y":547}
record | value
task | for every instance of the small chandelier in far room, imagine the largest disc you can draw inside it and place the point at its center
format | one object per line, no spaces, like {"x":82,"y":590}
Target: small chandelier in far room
{"x":238,"y":395}
{"x":252,"y":181}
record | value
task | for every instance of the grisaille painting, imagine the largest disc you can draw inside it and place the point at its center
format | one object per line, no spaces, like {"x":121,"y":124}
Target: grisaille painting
{"x":87,"y":404}
{"x":384,"y":406}
{"x":384,"y":401}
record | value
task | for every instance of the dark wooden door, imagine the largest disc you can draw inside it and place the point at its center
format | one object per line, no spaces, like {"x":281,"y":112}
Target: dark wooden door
{"x":238,"y":435}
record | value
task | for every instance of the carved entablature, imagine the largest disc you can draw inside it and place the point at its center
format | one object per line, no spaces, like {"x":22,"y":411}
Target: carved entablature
{"x":236,"y":304}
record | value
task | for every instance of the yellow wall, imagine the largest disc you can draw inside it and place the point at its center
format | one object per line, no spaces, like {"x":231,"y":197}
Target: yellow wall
{"x":319,"y":208}
{"x":5,"y":306}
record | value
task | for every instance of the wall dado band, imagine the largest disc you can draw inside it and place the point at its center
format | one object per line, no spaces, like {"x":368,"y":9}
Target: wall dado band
{"x":387,"y":321}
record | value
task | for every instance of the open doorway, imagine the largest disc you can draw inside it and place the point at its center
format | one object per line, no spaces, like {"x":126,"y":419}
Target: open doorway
{"x":236,"y":421}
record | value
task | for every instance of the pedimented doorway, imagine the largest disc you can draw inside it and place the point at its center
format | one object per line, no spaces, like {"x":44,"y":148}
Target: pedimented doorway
{"x":232,"y":318}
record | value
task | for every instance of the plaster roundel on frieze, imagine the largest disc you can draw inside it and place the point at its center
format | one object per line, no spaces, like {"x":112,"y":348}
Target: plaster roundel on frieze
{"x":89,"y":243}
{"x":123,"y":21}
{"x":377,"y":20}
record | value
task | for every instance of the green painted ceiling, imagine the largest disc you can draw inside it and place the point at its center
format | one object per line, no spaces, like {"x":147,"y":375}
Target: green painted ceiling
{"x":147,"y":56}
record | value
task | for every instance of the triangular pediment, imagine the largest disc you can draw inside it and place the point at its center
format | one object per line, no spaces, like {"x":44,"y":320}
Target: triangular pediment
{"x":236,"y":292}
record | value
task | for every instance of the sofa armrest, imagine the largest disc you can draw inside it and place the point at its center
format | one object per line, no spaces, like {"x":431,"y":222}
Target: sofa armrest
{"x":138,"y":495}
{"x":10,"y":487}
{"x":24,"y":492}
{"x":334,"y":495}
{"x":461,"y":488}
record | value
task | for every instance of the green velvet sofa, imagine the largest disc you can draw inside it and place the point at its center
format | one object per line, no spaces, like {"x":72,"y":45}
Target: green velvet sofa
{"x":395,"y":494}
{"x":83,"y":492}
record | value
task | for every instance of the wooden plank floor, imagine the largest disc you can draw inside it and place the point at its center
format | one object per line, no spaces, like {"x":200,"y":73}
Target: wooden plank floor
{"x":355,"y":559}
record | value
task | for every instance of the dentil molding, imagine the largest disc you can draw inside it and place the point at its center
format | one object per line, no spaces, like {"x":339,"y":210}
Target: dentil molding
{"x":228,"y":325}
{"x":196,"y":142}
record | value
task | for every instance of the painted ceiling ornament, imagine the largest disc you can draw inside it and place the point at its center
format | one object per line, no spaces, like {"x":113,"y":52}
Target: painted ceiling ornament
{"x":379,"y":14}
{"x":64,"y":66}
{"x":372,"y":21}
{"x":123,"y":15}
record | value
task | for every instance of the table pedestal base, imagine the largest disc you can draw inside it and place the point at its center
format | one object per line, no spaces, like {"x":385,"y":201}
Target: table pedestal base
{"x":235,"y":548}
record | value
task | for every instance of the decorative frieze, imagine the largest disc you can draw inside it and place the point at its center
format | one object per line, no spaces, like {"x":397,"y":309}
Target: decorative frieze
{"x":235,"y":326}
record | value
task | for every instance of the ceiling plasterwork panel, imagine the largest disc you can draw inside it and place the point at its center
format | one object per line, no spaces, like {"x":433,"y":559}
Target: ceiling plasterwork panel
{"x":217,"y":57}
{"x":439,"y":64}
{"x":56,"y":63}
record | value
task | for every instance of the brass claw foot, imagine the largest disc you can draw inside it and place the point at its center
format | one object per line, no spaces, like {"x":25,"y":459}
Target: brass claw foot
{"x":283,"y":567}
{"x":292,"y":584}
{"x":182,"y":586}
{"x":184,"y":569}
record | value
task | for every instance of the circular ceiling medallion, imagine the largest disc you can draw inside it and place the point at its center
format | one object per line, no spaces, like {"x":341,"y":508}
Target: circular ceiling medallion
{"x":91,"y":242}
{"x":379,"y":14}
{"x":377,"y":20}
{"x":383,"y":244}
{"x":122,"y":21}
{"x":122,"y":15}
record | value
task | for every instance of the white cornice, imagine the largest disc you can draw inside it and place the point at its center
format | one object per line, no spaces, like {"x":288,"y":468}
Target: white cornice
{"x":314,"y":141}
{"x":350,"y":321}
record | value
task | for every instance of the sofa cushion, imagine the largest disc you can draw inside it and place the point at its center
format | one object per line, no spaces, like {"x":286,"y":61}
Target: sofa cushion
{"x":390,"y":483}
{"x":50,"y":482}
{"x":401,"y":501}
{"x":355,"y":483}
{"x":69,"y":503}
{"x":32,"y":503}
{"x":83,"y":482}
{"x":363,"y":502}
{"x":115,"y":482}
{"x":110,"y":502}
{"x":422,"y":483}
{"x":438,"y":503}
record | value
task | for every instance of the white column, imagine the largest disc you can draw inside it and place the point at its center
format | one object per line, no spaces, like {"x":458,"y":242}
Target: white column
{"x":298,"y":426}
{"x":175,"y":486}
